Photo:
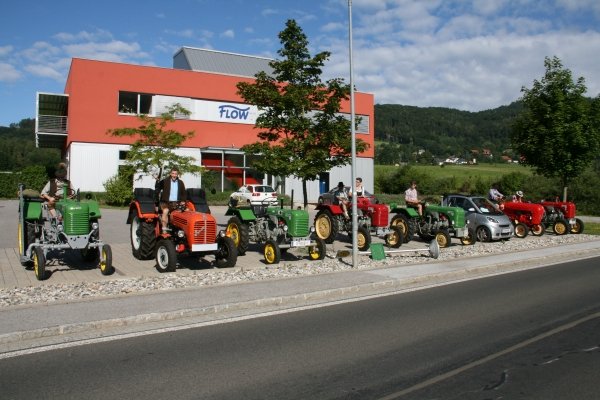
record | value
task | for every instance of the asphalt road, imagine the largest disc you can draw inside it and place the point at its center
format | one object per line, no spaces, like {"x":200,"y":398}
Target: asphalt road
{"x":427,"y":344}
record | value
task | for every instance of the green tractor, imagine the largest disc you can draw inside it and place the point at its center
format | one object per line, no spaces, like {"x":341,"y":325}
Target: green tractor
{"x":278,"y":228}
{"x":75,"y":227}
{"x":438,"y":222}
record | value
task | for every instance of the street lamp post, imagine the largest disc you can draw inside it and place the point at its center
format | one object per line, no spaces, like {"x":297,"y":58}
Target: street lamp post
{"x":353,"y":137}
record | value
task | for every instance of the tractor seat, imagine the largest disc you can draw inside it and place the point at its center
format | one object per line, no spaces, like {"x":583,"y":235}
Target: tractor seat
{"x":145,"y":197}
{"x":197,"y":196}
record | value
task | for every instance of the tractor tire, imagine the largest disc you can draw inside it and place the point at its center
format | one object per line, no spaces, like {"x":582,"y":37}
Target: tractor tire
{"x":318,"y":251}
{"x":470,"y":239}
{"x":538,"y":230}
{"x":442,"y":237}
{"x":578,"y":227}
{"x":238,"y":232}
{"x":561,"y":227}
{"x":166,"y":256}
{"x":25,"y":242}
{"x":272,"y":252}
{"x":395,"y":238}
{"x":226,"y":256}
{"x":39,"y":263}
{"x":521,"y":230}
{"x":406,"y":227}
{"x":326,"y":226}
{"x":363,"y":238}
{"x":483,"y":234}
{"x":143,"y":239}
{"x":106,"y":267}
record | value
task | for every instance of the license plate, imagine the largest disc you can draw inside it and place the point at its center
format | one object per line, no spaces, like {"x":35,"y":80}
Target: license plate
{"x":506,"y":230}
{"x":300,"y":243}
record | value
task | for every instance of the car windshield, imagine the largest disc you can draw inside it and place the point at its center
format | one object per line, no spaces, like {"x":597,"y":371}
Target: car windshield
{"x":485,"y":206}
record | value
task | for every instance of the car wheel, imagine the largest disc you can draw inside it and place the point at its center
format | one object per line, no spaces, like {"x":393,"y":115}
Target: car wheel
{"x":483,"y":234}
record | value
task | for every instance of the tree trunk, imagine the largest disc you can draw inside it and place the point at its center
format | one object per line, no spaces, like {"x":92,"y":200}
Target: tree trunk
{"x":304,"y":194}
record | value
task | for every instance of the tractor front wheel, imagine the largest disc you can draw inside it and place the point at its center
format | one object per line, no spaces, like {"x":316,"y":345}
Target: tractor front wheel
{"x":470,"y":239}
{"x":578,"y":227}
{"x":106,"y":267}
{"x":272,"y":252}
{"x":317,"y":251}
{"x":538,"y":230}
{"x":521,"y":230}
{"x":561,"y":227}
{"x":326,"y":226}
{"x":226,"y":256}
{"x":39,"y":263}
{"x":166,"y":256}
{"x":395,"y":238}
{"x":363,"y":238}
{"x":442,"y":237}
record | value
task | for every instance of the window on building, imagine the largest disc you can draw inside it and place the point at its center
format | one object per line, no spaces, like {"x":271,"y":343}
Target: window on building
{"x":134,"y":103}
{"x":123,"y":155}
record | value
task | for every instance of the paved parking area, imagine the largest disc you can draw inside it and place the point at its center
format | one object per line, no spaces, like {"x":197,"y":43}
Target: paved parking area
{"x":114,"y":231}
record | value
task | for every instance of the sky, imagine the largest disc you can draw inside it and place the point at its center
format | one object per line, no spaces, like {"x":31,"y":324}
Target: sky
{"x":470,"y":55}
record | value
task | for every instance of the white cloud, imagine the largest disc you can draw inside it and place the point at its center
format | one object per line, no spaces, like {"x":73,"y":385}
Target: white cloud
{"x":9,"y":73}
{"x":45,"y":71}
{"x":229,"y":34}
{"x":5,"y":50}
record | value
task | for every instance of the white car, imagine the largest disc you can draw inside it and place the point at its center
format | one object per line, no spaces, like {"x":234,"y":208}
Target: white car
{"x":255,"y":195}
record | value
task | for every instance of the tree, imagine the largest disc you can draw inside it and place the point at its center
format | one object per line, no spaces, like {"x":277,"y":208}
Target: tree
{"x":302,"y":132}
{"x":155,"y":145}
{"x":558,"y":132}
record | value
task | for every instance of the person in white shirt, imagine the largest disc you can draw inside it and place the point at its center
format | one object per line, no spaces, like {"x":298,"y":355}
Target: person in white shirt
{"x":411,"y":197}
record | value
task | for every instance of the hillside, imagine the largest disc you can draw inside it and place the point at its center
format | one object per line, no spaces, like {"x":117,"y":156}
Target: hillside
{"x":444,"y":131}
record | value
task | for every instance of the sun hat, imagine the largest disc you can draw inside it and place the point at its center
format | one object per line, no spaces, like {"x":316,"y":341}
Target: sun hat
{"x":519,"y":193}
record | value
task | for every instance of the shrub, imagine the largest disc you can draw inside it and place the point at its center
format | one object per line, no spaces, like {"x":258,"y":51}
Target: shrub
{"x":119,"y":190}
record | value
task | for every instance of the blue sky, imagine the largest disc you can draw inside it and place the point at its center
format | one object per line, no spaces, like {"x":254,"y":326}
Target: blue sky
{"x":470,"y":55}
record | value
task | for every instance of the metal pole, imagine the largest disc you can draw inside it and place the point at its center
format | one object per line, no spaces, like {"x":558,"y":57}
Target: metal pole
{"x":353,"y":137}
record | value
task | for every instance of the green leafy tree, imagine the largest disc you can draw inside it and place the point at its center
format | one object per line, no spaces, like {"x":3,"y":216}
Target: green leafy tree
{"x":302,"y":132}
{"x":558,"y":132}
{"x":154,"y":147}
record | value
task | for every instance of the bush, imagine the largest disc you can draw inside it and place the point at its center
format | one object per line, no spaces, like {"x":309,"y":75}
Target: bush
{"x":119,"y":191}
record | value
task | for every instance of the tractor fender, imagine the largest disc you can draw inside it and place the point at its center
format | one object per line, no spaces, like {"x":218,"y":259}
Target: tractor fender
{"x":334,"y":209}
{"x":406,"y":211}
{"x":244,"y":214}
{"x":135,"y":210}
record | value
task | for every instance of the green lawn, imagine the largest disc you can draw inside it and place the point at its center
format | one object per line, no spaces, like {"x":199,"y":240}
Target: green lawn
{"x":591,"y":228}
{"x":463,"y":172}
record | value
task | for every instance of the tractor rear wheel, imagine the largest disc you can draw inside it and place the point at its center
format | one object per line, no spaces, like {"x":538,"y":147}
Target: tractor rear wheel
{"x":226,"y":256}
{"x":39,"y":263}
{"x":318,"y":251}
{"x":238,"y":232}
{"x":25,"y":241}
{"x":538,"y":230}
{"x":326,"y":226}
{"x":395,"y":238}
{"x":166,"y":256}
{"x":143,"y":238}
{"x":521,"y":230}
{"x":405,"y":225}
{"x":578,"y":227}
{"x":561,"y":227}
{"x":106,"y":267}
{"x":442,"y":237}
{"x":272,"y":252}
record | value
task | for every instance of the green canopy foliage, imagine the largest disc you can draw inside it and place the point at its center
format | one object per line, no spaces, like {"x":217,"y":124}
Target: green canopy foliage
{"x":154,"y":147}
{"x":302,"y":132}
{"x":558,"y":132}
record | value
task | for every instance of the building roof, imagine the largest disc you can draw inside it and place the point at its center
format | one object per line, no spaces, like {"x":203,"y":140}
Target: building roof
{"x":204,"y":60}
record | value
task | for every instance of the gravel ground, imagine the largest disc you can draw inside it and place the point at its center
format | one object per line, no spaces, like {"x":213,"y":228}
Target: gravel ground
{"x":65,"y":292}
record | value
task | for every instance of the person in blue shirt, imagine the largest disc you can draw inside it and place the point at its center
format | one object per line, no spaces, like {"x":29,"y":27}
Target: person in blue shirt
{"x":172,"y":195}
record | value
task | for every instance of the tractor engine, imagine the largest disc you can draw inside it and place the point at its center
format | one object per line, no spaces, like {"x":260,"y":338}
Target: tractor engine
{"x":198,"y":228}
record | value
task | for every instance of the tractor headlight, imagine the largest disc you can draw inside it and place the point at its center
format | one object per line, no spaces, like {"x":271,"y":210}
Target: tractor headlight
{"x":222,"y":234}
{"x":285,"y":228}
{"x":312,"y":229}
{"x":60,"y":227}
{"x":95,"y":225}
{"x":180,"y":234}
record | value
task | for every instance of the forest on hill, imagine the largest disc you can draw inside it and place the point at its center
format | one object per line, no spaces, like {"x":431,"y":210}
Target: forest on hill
{"x":409,"y":133}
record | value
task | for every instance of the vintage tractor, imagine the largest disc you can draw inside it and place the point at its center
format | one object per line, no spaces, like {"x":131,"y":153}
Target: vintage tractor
{"x":525,"y":217}
{"x":372,"y":218}
{"x":74,"y":227}
{"x":190,"y":232}
{"x":560,"y":216}
{"x":278,"y":228}
{"x":438,"y":222}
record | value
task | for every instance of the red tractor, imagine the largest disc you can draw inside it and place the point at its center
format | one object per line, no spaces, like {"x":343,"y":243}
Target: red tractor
{"x":560,"y":215}
{"x":193,"y":230}
{"x":526,"y":217}
{"x":372,"y":218}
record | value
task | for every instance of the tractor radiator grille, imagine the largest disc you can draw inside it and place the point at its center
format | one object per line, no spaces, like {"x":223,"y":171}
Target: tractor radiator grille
{"x":76,"y":223}
{"x":299,"y":226}
{"x":204,"y":232}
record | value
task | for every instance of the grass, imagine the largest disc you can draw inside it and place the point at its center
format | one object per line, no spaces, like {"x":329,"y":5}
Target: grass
{"x":463,"y":172}
{"x":591,"y":228}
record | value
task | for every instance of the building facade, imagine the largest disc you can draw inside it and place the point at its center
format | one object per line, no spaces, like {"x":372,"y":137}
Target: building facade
{"x":101,"y":95}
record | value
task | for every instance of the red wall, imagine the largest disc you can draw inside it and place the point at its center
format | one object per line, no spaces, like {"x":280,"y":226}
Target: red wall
{"x":93,"y":88}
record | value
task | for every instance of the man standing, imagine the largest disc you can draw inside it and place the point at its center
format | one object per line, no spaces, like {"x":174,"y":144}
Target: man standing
{"x":171,"y":196}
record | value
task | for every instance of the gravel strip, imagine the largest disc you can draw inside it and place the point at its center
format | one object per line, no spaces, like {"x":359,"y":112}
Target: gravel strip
{"x":65,"y":292}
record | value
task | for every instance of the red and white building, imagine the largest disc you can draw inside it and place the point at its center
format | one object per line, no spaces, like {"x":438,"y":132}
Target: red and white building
{"x":101,"y":95}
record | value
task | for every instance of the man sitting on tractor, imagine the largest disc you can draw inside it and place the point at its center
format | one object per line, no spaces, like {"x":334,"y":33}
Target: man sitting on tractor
{"x":57,"y":189}
{"x":172,"y":195}
{"x":411,"y":198}
{"x":518,"y":197}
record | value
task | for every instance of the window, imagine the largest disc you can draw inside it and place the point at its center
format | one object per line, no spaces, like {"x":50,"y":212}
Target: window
{"x":134,"y":103}
{"x":123,"y":155}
